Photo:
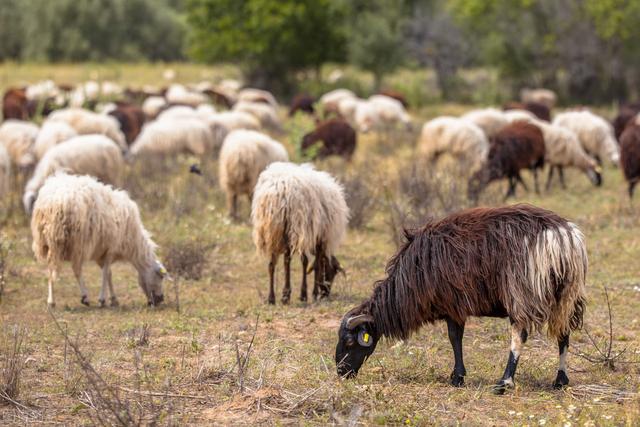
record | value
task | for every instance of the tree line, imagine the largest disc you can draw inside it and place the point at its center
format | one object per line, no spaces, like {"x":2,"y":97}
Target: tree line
{"x":586,"y":47}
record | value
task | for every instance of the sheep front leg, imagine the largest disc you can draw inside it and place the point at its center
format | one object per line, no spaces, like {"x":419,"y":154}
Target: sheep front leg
{"x":536,"y":186}
{"x":272,"y":271}
{"x":84,"y":294}
{"x":53,"y":276}
{"x":232,"y":202}
{"x":562,"y":379}
{"x":286,"y":291}
{"x":550,"y":177}
{"x":518,"y":338}
{"x":107,"y":285}
{"x":318,"y":273}
{"x":561,"y":175}
{"x":303,"y":287}
{"x":456,"y":332}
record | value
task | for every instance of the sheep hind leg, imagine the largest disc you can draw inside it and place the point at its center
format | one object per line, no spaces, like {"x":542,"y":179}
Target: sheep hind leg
{"x":303,"y":287}
{"x":456,"y":332}
{"x":84,"y":294}
{"x":272,"y":271}
{"x":53,"y":276}
{"x":511,"y":191}
{"x":521,"y":181}
{"x":561,"y":175}
{"x":549,"y":177}
{"x":632,"y":186}
{"x":518,"y":338}
{"x":536,"y":186}
{"x":563,"y":348}
{"x":286,"y":291}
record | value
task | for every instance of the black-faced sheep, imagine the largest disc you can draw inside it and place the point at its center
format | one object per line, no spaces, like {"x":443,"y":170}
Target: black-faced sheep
{"x":630,"y":155}
{"x":297,"y":209}
{"x":331,"y":137}
{"x":244,"y":154}
{"x":520,"y":262}
{"x":519,"y":145}
{"x":77,"y":219}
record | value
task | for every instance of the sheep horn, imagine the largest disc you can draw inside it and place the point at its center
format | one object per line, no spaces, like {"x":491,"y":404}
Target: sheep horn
{"x":358,"y":320}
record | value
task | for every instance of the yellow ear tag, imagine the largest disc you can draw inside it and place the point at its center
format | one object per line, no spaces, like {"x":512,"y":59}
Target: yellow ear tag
{"x":598,"y":169}
{"x":365,"y":337}
{"x":163,"y":271}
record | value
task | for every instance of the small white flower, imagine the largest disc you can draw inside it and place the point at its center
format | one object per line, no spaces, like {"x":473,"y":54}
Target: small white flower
{"x":607,"y":417}
{"x":542,"y":422}
{"x":519,"y":414}
{"x":512,"y":412}
{"x":571,"y":408}
{"x":567,"y":424}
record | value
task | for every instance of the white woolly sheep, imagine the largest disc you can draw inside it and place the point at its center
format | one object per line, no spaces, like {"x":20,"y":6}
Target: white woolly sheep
{"x":178,"y":112}
{"x":42,"y":90}
{"x":94,"y":155}
{"x":546,"y":97}
{"x":19,"y":137}
{"x":87,"y":122}
{"x":347,"y":108}
{"x":265,"y":113}
{"x":490,"y":120}
{"x":178,"y":94}
{"x":77,"y":219}
{"x":244,"y":154}
{"x":5,"y":172}
{"x":330,"y":100}
{"x":52,"y":134}
{"x":594,"y":133}
{"x":460,"y":138}
{"x":257,"y":95}
{"x":223,"y":123}
{"x":171,"y":137}
{"x":153,"y":105}
{"x":563,"y":149}
{"x":520,"y":116}
{"x":390,"y":111}
{"x":297,"y":209}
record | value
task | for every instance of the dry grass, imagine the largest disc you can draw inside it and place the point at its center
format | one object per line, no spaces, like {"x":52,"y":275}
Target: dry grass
{"x":183,"y":367}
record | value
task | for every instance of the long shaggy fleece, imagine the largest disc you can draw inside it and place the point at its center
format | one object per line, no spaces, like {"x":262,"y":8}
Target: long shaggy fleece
{"x":490,"y":120}
{"x":52,"y":134}
{"x":87,"y":122}
{"x":300,"y":206}
{"x":18,"y":137}
{"x":170,"y":137}
{"x":94,"y":155}
{"x":563,"y":148}
{"x":520,"y":261}
{"x":5,"y":171}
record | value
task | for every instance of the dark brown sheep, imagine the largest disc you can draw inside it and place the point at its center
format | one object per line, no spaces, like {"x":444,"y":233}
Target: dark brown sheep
{"x":395,"y":95}
{"x":520,"y":262}
{"x":302,"y":102}
{"x":14,"y":104}
{"x":331,"y":137}
{"x":519,"y":145}
{"x":539,"y":110}
{"x":131,"y":119}
{"x":624,"y":116}
{"x":630,"y":155}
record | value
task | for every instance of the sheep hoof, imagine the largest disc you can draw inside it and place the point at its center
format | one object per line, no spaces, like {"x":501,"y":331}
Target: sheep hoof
{"x":102,"y":303}
{"x":285,"y":299}
{"x":51,"y":305}
{"x":561,"y":380}
{"x":114,"y":302}
{"x":500,"y":388}
{"x":457,"y":380}
{"x":84,"y":300}
{"x":272,"y":301}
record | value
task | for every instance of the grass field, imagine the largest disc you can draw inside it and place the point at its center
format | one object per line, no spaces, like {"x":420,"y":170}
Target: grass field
{"x":228,"y":358}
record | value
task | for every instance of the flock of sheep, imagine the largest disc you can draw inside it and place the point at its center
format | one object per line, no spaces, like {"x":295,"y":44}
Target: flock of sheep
{"x":76,"y":160}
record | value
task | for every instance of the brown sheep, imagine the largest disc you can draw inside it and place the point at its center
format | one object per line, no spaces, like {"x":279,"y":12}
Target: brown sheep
{"x":630,"y":155}
{"x":395,"y":95}
{"x":517,"y":146}
{"x":331,"y":137}
{"x":541,"y":111}
{"x":302,"y":102}
{"x":14,"y":104}
{"x":218,"y":98}
{"x":625,"y":114}
{"x":131,"y":119}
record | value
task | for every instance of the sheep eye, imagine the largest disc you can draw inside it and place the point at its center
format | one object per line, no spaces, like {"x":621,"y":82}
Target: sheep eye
{"x":349,"y":341}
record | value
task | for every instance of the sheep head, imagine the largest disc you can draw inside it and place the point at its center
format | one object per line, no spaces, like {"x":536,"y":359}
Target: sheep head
{"x":595,"y":175}
{"x":331,"y":269}
{"x":151,"y":280}
{"x":357,"y":339}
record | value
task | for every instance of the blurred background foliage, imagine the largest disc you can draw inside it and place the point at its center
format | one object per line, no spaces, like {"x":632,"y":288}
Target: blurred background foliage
{"x":586,"y":50}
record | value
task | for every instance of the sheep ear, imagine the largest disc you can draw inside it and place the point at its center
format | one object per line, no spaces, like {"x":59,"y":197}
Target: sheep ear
{"x":358,"y":320}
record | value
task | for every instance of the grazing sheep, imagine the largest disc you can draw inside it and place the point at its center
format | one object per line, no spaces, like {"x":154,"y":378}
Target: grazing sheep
{"x":395,"y":95}
{"x":520,"y":116}
{"x":541,"y":96}
{"x":541,"y":111}
{"x":5,"y":172}
{"x":517,"y":146}
{"x":347,"y":108}
{"x":331,"y":137}
{"x":390,"y":111}
{"x":594,"y":133}
{"x":171,"y":137}
{"x":52,"y":134}
{"x":131,"y":119}
{"x":562,"y":149}
{"x":490,"y":120}
{"x":330,"y":100}
{"x":178,"y":94}
{"x":626,"y":112}
{"x":153,"y":105}
{"x":630,"y":155}
{"x":297,"y":209}
{"x":78,"y":219}
{"x":265,"y":113}
{"x":173,"y":112}
{"x":258,"y":96}
{"x":94,"y":155}
{"x":219,"y":98}
{"x":18,"y":137}
{"x":244,"y":154}
{"x":460,"y":138}
{"x":520,"y":262}
{"x":223,"y":123}
{"x":87,"y":122}
{"x":302,"y":102}
{"x":14,"y":104}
